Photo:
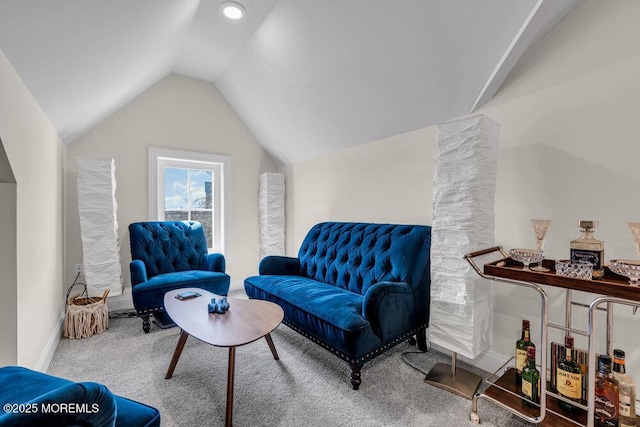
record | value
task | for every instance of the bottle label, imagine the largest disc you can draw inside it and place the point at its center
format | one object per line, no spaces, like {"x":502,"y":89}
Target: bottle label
{"x":605,"y":408}
{"x":527,"y":389}
{"x":625,"y":405}
{"x":521,"y":359}
{"x":569,"y":384}
{"x":594,"y":257}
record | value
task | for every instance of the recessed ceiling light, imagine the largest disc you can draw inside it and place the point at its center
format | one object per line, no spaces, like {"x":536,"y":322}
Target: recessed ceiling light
{"x":232,"y":10}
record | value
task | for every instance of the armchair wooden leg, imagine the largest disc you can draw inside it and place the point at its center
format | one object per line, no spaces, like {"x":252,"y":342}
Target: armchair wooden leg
{"x":355,"y":377}
{"x":146,"y":324}
{"x":422,"y":340}
{"x":412,"y":340}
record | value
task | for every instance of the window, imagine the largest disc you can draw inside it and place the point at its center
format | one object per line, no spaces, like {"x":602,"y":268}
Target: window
{"x":190,"y":186}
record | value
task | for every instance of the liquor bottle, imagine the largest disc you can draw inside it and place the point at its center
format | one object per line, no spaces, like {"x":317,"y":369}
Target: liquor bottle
{"x":569,"y":377}
{"x":531,"y":379}
{"x":521,"y":350}
{"x":606,"y":394}
{"x":627,"y":390}
{"x":588,"y":248}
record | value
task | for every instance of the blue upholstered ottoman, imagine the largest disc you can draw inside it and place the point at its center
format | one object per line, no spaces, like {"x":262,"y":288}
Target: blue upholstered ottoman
{"x":30,"y":398}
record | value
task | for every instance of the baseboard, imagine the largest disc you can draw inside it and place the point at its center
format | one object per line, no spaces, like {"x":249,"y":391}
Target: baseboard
{"x":50,"y":348}
{"x":487,"y":361}
{"x":116,"y":303}
{"x":236,"y":285}
{"x":124,"y":301}
{"x":120,"y":302}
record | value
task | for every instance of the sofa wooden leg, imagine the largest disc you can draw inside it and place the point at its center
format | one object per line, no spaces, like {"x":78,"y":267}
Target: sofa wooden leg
{"x":422,"y":340}
{"x":411,"y":340}
{"x":146,"y":324}
{"x":355,"y":377}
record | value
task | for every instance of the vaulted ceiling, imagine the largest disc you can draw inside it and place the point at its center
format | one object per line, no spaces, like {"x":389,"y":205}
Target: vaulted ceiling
{"x":307,"y":77}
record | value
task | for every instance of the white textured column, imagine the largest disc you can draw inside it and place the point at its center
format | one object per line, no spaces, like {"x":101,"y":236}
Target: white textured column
{"x":99,"y":225}
{"x":271,"y":199}
{"x":463,"y":222}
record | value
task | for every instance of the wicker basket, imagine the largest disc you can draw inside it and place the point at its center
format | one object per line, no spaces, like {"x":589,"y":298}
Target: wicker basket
{"x":86,"y":316}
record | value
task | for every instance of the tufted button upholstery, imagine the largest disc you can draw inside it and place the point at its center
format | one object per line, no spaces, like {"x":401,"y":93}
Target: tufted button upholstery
{"x":169,"y":247}
{"x":354,"y":256}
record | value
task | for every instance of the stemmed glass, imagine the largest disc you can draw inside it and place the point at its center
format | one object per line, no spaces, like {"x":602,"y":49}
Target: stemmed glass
{"x":540,"y":228}
{"x":526,"y":256}
{"x":635,"y":230}
{"x":628,"y":268}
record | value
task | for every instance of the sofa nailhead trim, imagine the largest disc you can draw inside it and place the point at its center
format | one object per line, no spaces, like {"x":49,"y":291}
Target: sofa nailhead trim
{"x":360,"y":361}
{"x":150,"y":310}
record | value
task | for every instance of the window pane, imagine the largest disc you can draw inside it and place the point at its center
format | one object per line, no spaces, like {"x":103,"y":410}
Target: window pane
{"x":176,"y":189}
{"x":201,"y":197}
{"x":206,"y":218}
{"x":171,"y":215}
{"x":189,"y":192}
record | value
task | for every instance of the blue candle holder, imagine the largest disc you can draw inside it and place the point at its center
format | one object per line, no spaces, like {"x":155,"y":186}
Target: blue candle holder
{"x":219,"y":307}
{"x":223,"y":306}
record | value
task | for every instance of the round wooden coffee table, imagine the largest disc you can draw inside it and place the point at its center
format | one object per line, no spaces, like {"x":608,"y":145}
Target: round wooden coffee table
{"x":245,"y":322}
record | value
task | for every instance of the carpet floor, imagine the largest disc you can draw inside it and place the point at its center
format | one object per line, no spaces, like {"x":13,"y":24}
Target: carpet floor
{"x":308,"y":386}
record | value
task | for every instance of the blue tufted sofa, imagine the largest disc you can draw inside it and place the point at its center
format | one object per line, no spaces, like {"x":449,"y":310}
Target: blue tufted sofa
{"x":168,"y":255}
{"x":86,"y":404}
{"x":356,"y":289}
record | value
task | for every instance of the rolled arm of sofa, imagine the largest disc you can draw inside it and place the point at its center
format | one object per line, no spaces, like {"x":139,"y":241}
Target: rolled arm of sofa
{"x":387,"y":307}
{"x":215,"y":262}
{"x":138,"y":272}
{"x":279,"y":266}
{"x":86,"y":404}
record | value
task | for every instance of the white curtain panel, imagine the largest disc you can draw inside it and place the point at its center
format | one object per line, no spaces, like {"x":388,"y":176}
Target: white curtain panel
{"x":271,"y":200}
{"x":463,"y":222}
{"x":99,"y":225}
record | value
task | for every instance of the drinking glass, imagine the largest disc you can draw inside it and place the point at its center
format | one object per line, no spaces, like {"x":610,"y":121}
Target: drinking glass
{"x":635,"y":230}
{"x":628,"y":268}
{"x":526,"y":256}
{"x":540,"y":228}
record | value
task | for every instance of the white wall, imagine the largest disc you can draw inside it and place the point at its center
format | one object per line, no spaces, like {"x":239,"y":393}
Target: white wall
{"x":178,"y":113}
{"x":387,"y":181}
{"x":9,"y":283}
{"x":569,"y":149}
{"x":35,"y":289}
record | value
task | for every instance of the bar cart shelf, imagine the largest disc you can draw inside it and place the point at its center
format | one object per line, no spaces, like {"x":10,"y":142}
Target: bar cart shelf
{"x":611,"y":284}
{"x":505,"y":390}
{"x":502,"y":390}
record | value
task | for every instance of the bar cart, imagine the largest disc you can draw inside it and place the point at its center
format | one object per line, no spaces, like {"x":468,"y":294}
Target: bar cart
{"x":502,"y":391}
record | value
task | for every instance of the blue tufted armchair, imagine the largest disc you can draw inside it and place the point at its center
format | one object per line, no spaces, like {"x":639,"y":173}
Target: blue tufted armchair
{"x":169,"y":255}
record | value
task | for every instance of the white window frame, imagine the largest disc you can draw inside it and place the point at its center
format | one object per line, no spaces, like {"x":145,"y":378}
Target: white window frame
{"x":160,"y":158}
